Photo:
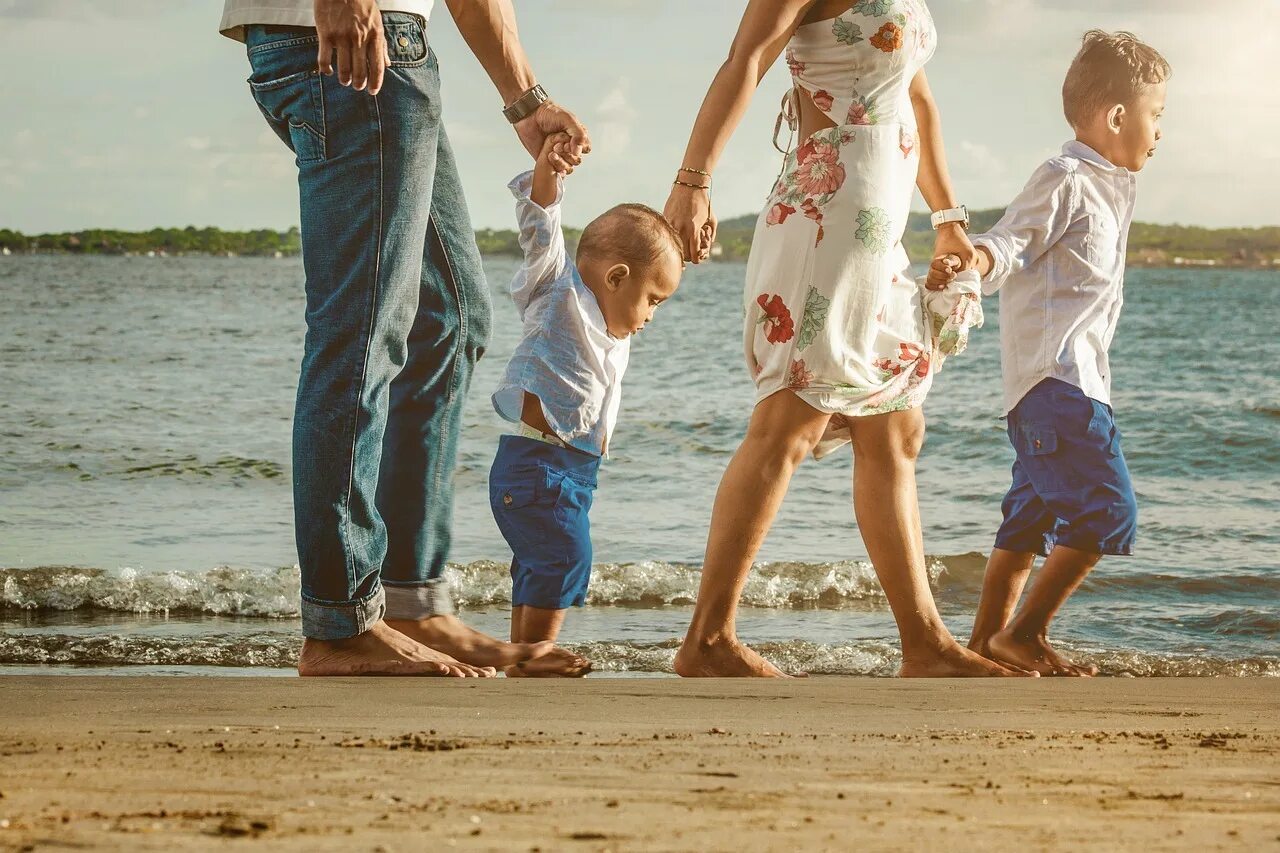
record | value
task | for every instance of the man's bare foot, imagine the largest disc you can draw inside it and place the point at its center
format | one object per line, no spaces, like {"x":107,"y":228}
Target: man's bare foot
{"x":558,"y":663}
{"x":726,"y":658}
{"x":955,"y":661}
{"x":1035,"y":653}
{"x":448,"y":634}
{"x":381,"y":651}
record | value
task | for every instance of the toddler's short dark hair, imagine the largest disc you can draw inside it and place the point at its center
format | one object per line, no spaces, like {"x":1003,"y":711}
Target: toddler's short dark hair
{"x":1111,"y":68}
{"x":634,"y":234}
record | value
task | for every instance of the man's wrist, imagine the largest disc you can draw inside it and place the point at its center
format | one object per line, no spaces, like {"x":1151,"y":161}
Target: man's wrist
{"x":525,"y":105}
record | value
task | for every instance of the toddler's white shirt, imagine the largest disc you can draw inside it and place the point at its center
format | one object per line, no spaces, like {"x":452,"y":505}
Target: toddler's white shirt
{"x":566,"y":355}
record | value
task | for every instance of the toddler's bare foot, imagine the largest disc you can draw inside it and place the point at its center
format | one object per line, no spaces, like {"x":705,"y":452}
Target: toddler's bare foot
{"x":955,"y":661}
{"x":447,"y":633}
{"x":725,"y":658}
{"x":381,"y":651}
{"x":558,"y":663}
{"x":1034,"y":653}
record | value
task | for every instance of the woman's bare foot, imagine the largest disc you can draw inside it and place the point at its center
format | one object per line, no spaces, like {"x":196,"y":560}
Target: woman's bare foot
{"x":558,"y":663}
{"x":448,"y":634}
{"x":1034,"y":653}
{"x":955,"y":661}
{"x":726,"y":658}
{"x":381,"y":650}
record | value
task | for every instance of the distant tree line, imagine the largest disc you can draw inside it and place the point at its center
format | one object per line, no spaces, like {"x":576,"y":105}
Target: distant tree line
{"x":1149,"y":245}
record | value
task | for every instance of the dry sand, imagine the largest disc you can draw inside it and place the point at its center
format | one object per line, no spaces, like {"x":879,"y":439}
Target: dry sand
{"x":146,"y":763}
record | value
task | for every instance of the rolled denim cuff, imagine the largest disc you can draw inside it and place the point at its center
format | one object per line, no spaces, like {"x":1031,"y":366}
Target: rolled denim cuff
{"x":329,"y":620}
{"x":419,"y":602}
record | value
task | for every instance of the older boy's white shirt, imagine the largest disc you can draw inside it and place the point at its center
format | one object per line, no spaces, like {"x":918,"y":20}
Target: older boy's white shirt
{"x":566,"y":355}
{"x":238,"y":14}
{"x":1059,"y":258}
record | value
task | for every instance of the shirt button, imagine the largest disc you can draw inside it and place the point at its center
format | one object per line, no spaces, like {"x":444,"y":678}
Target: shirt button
{"x":506,"y":499}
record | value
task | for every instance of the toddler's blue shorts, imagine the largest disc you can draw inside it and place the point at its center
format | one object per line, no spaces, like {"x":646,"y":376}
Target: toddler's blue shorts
{"x":540,"y":495}
{"x":1070,"y":483}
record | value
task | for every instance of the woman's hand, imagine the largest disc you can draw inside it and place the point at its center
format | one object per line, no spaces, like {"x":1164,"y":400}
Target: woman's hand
{"x":952,"y":239}
{"x":689,"y":212}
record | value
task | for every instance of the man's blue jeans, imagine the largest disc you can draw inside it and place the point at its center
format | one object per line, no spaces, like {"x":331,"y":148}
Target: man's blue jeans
{"x":397,"y":315}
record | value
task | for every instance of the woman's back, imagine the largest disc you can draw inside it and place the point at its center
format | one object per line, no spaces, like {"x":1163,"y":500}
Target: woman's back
{"x":856,"y":68}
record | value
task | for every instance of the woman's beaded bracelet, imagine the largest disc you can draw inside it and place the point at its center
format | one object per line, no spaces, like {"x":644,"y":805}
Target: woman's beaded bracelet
{"x":706,"y":187}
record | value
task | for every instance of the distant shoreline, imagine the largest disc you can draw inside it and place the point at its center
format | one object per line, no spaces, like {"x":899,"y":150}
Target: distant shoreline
{"x":1150,"y":245}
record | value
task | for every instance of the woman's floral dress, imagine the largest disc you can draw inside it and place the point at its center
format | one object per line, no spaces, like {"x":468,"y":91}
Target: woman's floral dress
{"x":831,"y":312}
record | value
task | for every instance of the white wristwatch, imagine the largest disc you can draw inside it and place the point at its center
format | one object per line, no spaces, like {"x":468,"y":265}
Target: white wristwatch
{"x":955,"y":214}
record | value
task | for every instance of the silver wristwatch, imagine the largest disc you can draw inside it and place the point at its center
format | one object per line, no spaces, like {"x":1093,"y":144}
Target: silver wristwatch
{"x":523,"y":106}
{"x":953,"y":214}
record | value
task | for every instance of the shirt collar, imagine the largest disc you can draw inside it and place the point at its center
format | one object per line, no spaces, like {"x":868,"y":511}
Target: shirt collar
{"x":1076,"y":148}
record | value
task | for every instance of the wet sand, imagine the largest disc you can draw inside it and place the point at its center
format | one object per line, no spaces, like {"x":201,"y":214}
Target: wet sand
{"x":147,"y":763}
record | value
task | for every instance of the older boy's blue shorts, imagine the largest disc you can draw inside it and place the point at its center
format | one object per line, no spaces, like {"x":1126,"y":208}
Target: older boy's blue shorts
{"x":540,"y":495}
{"x":1070,"y":482}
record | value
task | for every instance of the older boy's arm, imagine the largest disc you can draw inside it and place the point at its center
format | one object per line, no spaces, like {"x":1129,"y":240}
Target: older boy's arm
{"x":489,"y":29}
{"x":1031,"y":225}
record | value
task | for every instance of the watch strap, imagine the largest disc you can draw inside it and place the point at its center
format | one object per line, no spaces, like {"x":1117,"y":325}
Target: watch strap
{"x":953,"y":214}
{"x":523,"y":106}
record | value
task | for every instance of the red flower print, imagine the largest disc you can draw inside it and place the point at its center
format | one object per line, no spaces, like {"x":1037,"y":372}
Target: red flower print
{"x":778,"y":325}
{"x":907,"y":142}
{"x":888,"y":366}
{"x":795,"y":65}
{"x":798,"y":376}
{"x":922,"y":366}
{"x":857,"y":114}
{"x":909,"y":352}
{"x":822,"y":100}
{"x":778,"y":214}
{"x":812,"y":211}
{"x":889,"y":38}
{"x":820,"y":171}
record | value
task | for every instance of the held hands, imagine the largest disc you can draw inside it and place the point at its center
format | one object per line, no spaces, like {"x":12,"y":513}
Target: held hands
{"x":952,"y":253}
{"x":557,"y":154}
{"x":689,"y":211}
{"x":353,"y":30}
{"x":552,"y":120}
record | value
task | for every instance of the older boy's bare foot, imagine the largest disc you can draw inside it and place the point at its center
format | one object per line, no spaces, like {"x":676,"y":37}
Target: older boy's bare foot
{"x":448,"y":634}
{"x":955,"y":661}
{"x":381,"y":651}
{"x":726,"y":658}
{"x":1034,"y":653}
{"x":558,"y":663}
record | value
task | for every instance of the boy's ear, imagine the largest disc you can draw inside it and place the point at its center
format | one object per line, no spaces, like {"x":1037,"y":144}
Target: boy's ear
{"x":616,"y":275}
{"x":1116,"y":117}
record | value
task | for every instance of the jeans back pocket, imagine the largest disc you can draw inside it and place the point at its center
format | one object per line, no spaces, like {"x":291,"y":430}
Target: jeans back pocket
{"x":294,"y":107}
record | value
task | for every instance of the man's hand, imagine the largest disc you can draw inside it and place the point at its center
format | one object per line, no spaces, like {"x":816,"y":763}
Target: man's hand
{"x":352,"y":29}
{"x":548,"y":119}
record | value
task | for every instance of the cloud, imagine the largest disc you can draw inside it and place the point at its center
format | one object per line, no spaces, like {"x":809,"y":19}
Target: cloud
{"x":612,"y":130}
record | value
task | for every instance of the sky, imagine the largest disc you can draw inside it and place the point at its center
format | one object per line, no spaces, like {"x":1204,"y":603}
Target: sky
{"x":135,"y":113}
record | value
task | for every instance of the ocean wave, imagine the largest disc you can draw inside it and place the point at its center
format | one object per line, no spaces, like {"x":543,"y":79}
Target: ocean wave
{"x":228,"y":591}
{"x":273,"y":593}
{"x":878,"y":658}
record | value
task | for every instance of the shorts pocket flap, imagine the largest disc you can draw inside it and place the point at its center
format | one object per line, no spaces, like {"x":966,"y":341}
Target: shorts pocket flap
{"x":1040,"y":440}
{"x":514,"y":495}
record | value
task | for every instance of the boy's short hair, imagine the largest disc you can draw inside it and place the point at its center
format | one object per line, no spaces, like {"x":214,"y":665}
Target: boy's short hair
{"x":634,"y":234}
{"x":1111,"y":68}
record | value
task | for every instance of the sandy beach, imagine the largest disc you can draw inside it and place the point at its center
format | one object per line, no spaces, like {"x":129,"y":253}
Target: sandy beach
{"x":638,"y":764}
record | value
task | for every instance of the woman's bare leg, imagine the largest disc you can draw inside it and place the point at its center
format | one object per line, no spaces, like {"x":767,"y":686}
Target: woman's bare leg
{"x":783,"y":430}
{"x":888,"y":512}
